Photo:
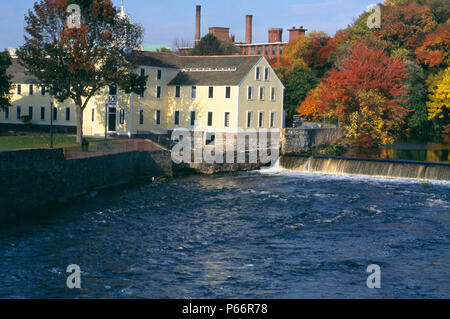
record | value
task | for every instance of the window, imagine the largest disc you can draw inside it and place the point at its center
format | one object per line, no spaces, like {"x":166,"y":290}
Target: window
{"x":122,"y":116}
{"x":67,"y":113}
{"x":177,"y":91}
{"x":30,"y":112}
{"x":261,"y":93}
{"x":273,"y":94}
{"x":281,"y":50}
{"x":272,"y":119}
{"x":193,"y":118}
{"x":177,"y":118}
{"x":158,"y":117}
{"x":55,"y":113}
{"x":18,"y":112}
{"x":249,"y":119}
{"x":141,"y":117}
{"x":93,"y":115}
{"x":210,"y":118}
{"x":112,"y":90}
{"x":250,"y":93}
{"x":211,"y":92}
{"x":30,"y":90}
{"x":227,"y":119}
{"x":19,"y":89}
{"x":261,"y":119}
{"x":158,"y":92}
{"x":193,"y":92}
{"x":43,"y":90}
{"x":252,"y":50}
{"x":258,"y":73}
{"x":142,"y":72}
{"x":273,"y":50}
{"x":210,"y":139}
{"x":227,"y":92}
{"x":7,"y":113}
{"x":42,"y":113}
{"x":267,"y":73}
{"x":267,"y":51}
{"x":259,"y":50}
{"x":159,"y":75}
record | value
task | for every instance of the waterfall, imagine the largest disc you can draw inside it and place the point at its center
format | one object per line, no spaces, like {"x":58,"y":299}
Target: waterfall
{"x":367,"y":167}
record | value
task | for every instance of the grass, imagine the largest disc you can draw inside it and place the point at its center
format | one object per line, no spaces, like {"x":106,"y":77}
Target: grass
{"x":40,"y":141}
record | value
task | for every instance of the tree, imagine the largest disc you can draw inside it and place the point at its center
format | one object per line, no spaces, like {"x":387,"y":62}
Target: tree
{"x":434,"y":49}
{"x":416,"y":122}
{"x":295,"y":52}
{"x":309,"y":106}
{"x":210,"y":45}
{"x":439,"y":89}
{"x":5,"y":80}
{"x":366,"y":78}
{"x":78,"y":61}
{"x":297,"y":84}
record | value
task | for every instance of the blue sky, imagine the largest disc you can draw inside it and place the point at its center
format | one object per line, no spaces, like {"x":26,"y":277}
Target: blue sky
{"x":164,"y":21}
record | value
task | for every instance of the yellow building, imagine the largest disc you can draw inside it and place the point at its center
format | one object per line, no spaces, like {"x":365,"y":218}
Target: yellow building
{"x":209,"y":94}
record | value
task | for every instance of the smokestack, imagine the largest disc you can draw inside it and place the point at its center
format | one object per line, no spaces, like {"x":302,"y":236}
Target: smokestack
{"x":197,"y":23}
{"x":248,"y":33}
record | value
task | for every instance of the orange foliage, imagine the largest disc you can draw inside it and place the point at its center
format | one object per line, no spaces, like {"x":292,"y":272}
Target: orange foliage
{"x":434,"y":49}
{"x":309,"y":106}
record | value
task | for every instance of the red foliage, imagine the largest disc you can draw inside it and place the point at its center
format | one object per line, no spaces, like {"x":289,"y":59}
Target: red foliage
{"x":365,"y":69}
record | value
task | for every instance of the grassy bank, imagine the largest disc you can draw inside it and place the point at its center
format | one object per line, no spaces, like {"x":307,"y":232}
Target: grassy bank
{"x":39,"y":141}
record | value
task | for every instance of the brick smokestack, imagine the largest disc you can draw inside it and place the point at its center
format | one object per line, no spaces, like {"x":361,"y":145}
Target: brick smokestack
{"x":197,"y":23}
{"x":248,"y":32}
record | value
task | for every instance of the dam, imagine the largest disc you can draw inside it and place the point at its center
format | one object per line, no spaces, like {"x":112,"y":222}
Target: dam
{"x":367,"y":167}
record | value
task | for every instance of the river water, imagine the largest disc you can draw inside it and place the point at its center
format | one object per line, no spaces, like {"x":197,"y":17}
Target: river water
{"x":264,"y":234}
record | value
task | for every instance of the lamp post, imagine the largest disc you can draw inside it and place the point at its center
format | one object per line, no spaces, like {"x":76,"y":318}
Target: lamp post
{"x":106,"y":122}
{"x":51,"y":125}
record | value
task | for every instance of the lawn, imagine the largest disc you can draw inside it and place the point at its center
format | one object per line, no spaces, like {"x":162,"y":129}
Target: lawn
{"x":39,"y":141}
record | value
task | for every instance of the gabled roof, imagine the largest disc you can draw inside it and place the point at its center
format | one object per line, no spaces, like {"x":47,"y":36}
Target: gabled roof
{"x":203,"y":70}
{"x":19,"y":74}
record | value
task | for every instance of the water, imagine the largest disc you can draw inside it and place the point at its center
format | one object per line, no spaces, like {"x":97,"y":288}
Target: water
{"x":264,"y":234}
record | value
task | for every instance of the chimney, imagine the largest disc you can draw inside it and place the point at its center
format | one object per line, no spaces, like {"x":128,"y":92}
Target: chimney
{"x":197,"y":24}
{"x":248,"y":32}
{"x":275,"y":35}
{"x":294,"y":33}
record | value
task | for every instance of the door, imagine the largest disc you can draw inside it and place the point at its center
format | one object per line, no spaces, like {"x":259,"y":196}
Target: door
{"x":112,"y":119}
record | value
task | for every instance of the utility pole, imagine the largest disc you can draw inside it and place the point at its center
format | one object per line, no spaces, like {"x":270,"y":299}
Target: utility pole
{"x":51,"y":125}
{"x":106,"y":122}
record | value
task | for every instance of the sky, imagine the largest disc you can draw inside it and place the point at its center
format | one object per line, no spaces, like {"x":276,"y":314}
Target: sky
{"x":167,"y":20}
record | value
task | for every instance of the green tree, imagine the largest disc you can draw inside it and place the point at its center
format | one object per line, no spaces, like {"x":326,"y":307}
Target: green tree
{"x":210,"y":45}
{"x":297,"y":84}
{"x":5,"y":80}
{"x":416,"y":122}
{"x":78,"y":61}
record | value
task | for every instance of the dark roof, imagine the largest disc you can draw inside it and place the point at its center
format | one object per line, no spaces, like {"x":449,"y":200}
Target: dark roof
{"x":18,"y":73}
{"x":239,"y":64}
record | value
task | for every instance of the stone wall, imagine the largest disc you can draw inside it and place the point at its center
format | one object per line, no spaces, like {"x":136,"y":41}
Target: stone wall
{"x":33,"y":178}
{"x":295,"y":141}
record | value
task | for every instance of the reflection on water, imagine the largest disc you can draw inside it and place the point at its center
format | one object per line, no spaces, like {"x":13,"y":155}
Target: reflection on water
{"x":430,"y":152}
{"x":249,"y":235}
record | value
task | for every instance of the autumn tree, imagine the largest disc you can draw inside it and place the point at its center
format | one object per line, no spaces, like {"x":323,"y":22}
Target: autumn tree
{"x":77,"y":61}
{"x":5,"y":80}
{"x":439,"y":96}
{"x":434,"y":50}
{"x":367,"y":80}
{"x":309,"y":106}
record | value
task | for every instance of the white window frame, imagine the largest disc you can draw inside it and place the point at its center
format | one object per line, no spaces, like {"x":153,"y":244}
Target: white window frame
{"x":258,"y":72}
{"x":266,"y":73}
{"x":174,"y":117}
{"x":273,"y":93}
{"x":158,"y":71}
{"x":141,"y":111}
{"x":156,"y":117}
{"x":175,"y":93}
{"x":68,"y":108}
{"x":247,"y":118}
{"x":251,"y":97}
{"x":210,"y":96}
{"x":272,"y":119}
{"x":30,"y":108}
{"x":121,"y":116}
{"x":18,"y":112}
{"x":261,"y":98}
{"x":190,"y":117}
{"x":30,"y":90}
{"x":259,"y":119}
{"x":93,"y":114}
{"x":226,"y":88}
{"x":212,"y":118}
{"x":225,"y":119}
{"x":160,"y":92}
{"x":192,"y":91}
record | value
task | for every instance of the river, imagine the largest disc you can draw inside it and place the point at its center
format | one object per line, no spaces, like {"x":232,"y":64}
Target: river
{"x":268,"y":234}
